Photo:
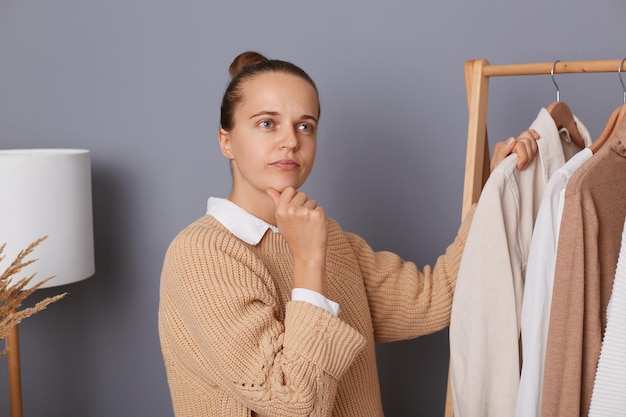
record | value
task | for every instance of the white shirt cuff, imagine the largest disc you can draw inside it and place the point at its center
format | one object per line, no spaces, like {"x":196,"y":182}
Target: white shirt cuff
{"x":315,"y":298}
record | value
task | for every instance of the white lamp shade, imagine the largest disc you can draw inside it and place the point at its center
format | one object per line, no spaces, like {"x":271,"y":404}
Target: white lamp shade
{"x":47,"y":192}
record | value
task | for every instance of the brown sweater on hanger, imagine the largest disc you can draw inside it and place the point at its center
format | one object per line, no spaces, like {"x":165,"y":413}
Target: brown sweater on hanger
{"x":235,"y":345}
{"x":588,"y":248}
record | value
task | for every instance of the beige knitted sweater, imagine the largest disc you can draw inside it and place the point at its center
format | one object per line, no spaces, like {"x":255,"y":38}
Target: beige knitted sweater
{"x":235,"y":345}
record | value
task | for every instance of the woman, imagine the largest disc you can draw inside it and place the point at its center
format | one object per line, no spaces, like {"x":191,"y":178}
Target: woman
{"x":267,"y":306}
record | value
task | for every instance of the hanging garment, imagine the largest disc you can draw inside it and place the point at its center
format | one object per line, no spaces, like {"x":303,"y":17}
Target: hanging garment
{"x":485,"y":320}
{"x":608,"y":399}
{"x":587,"y":252}
{"x":538,"y":287}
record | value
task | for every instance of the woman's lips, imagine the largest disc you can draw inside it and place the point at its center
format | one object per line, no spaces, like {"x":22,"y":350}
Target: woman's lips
{"x":286,"y":164}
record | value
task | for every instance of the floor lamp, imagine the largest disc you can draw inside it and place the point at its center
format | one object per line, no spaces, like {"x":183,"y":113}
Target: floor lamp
{"x":47,"y":193}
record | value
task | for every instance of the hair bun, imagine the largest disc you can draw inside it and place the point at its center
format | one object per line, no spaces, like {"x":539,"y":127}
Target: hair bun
{"x":243,"y":60}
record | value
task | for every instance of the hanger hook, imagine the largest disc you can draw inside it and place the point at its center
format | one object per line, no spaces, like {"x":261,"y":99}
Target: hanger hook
{"x":558,"y":92}
{"x":619,"y":72}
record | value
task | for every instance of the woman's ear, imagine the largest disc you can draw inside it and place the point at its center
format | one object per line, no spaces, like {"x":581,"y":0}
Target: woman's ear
{"x":223,"y":137}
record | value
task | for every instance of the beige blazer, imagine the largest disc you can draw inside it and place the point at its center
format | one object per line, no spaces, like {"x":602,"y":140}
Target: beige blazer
{"x":485,"y":322}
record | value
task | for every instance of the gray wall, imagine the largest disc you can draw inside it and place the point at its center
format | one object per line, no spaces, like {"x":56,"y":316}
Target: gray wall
{"x":138,"y":82}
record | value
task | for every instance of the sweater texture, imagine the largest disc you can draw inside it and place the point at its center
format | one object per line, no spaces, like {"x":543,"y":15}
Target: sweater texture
{"x":234,"y":344}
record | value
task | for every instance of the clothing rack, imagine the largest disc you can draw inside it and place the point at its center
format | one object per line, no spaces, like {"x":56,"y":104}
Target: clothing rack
{"x":477,"y":74}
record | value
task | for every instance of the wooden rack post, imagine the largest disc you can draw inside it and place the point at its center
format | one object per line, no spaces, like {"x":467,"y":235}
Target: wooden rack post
{"x":477,"y":74}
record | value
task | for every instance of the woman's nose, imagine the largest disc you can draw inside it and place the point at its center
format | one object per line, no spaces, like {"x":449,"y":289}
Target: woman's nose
{"x":289,"y":140}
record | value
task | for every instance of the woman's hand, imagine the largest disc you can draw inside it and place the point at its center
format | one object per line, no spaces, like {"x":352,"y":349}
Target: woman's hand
{"x":525,"y":146}
{"x":303,"y":225}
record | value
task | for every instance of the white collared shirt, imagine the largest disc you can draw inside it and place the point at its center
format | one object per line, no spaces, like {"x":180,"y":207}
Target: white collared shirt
{"x":251,"y":230}
{"x":539,"y":279}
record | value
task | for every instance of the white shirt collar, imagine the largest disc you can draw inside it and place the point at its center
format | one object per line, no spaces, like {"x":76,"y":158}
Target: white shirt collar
{"x":241,"y":223}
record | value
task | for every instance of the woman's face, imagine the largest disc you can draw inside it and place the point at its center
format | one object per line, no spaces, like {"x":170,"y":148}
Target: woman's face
{"x":273,"y":141}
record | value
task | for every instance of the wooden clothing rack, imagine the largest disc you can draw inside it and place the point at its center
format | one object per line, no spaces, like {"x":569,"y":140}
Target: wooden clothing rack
{"x":477,"y":74}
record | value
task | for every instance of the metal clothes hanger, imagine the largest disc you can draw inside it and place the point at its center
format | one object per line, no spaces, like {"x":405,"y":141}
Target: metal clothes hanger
{"x":615,"y":119}
{"x":563,"y":116}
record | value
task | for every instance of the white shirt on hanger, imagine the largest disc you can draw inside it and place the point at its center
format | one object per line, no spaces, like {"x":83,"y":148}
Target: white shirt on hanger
{"x":537,"y":296}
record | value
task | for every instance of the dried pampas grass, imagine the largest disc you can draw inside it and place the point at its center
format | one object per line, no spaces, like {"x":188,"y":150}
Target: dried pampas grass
{"x":12,"y":293}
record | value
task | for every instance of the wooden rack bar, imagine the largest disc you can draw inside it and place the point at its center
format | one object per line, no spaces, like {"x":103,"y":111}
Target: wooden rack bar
{"x":545,"y":68}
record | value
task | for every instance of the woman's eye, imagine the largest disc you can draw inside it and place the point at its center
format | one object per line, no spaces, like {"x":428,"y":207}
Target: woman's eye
{"x":306,"y":127}
{"x":266,"y":124}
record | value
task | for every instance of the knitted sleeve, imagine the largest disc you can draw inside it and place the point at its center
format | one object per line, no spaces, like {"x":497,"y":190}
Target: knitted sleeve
{"x":221,"y":331}
{"x":404,"y":301}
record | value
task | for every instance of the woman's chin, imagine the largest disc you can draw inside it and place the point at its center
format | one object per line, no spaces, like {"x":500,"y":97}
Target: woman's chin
{"x":281,"y":187}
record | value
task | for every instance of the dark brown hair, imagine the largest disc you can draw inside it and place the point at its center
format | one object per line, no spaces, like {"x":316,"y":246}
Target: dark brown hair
{"x":246,"y":66}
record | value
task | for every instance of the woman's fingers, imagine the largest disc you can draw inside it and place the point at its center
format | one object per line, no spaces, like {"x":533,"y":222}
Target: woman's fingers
{"x":525,"y":146}
{"x":501,"y":150}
